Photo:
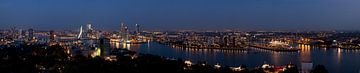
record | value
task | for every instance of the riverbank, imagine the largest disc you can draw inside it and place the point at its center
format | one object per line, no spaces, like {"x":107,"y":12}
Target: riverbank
{"x":198,"y":47}
{"x":52,"y":59}
{"x":277,"y":49}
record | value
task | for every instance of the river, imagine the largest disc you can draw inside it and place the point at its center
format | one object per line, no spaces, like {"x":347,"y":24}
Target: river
{"x":335,"y":60}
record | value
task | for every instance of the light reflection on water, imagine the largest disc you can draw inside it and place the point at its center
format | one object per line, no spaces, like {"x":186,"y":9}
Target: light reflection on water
{"x":335,"y":60}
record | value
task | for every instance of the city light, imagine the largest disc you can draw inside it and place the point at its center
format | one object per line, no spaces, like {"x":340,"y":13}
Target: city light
{"x":180,"y":36}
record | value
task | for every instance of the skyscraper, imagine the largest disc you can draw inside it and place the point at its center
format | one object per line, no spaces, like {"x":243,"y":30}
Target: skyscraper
{"x":89,"y":26}
{"x":20,"y":34}
{"x":126,"y":34}
{"x":31,"y":34}
{"x":123,"y":32}
{"x":90,"y":33}
{"x":137,"y":29}
{"x":13,"y":32}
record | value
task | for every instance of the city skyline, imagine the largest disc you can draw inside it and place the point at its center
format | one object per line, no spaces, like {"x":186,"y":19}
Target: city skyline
{"x":180,"y":36}
{"x":182,"y":15}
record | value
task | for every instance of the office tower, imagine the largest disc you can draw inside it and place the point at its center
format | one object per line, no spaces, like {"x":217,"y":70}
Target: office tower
{"x":30,"y":34}
{"x":137,"y":29}
{"x":123,"y":32}
{"x":12,"y":32}
{"x":20,"y":33}
{"x":89,"y":27}
{"x":90,"y":33}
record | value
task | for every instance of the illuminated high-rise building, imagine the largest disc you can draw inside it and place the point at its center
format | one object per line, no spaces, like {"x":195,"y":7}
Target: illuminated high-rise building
{"x":13,"y":33}
{"x":89,"y":27}
{"x":137,"y":33}
{"x":30,"y":34}
{"x":126,"y":34}
{"x":123,"y":32}
{"x":20,"y":33}
{"x":121,"y":29}
{"x":90,"y":33}
{"x":137,"y":29}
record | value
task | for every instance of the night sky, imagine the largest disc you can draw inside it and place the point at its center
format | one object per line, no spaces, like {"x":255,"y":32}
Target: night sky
{"x":182,"y":14}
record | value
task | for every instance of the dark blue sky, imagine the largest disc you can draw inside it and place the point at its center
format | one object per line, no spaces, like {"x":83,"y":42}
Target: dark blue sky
{"x":183,"y":14}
